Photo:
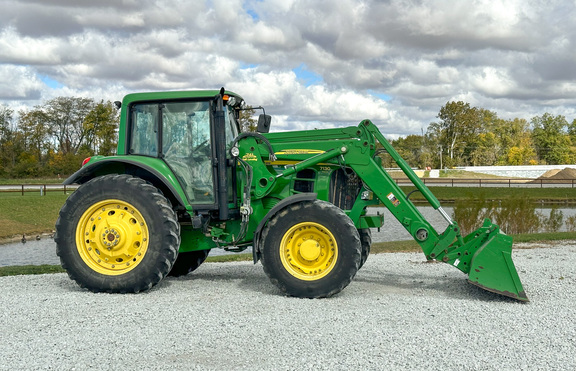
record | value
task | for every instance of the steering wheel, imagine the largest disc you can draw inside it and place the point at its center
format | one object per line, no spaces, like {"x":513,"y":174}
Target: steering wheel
{"x":202,"y":148}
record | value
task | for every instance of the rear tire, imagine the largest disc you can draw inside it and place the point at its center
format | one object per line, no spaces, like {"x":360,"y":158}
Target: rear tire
{"x":366,"y":241}
{"x":187,"y":262}
{"x":117,"y":233}
{"x":311,"y":249}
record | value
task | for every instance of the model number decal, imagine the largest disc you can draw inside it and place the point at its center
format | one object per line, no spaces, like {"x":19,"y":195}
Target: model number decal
{"x":300,"y":152}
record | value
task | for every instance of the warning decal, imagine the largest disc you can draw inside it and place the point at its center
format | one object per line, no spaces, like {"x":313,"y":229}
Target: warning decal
{"x":393,"y":199}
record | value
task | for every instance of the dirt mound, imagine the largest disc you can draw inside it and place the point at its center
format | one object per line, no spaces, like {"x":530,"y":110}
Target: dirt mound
{"x":549,"y":173}
{"x":566,"y":175}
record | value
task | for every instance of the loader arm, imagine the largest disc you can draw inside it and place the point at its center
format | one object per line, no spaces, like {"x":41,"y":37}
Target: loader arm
{"x":485,"y":254}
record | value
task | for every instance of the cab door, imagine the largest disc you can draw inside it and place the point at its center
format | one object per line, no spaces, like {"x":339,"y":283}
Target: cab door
{"x":187,"y":149}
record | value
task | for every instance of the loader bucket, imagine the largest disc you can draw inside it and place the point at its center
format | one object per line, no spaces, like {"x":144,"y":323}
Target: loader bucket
{"x":492,"y":269}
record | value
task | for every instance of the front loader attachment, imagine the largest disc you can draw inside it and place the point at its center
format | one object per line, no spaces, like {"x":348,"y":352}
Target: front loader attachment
{"x":486,"y":256}
{"x":492,"y":268}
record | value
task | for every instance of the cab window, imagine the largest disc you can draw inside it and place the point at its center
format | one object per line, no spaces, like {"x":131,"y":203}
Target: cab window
{"x":144,"y":131}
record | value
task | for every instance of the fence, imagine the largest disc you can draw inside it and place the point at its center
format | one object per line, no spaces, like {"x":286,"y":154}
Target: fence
{"x":37,"y":188}
{"x":494,"y":182}
{"x":431,"y":182}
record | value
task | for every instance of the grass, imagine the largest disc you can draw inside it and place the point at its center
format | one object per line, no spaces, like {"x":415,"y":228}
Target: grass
{"x":544,"y":237}
{"x":20,"y":270}
{"x":452,"y":194}
{"x":29,"y":214}
{"x":463,"y":174}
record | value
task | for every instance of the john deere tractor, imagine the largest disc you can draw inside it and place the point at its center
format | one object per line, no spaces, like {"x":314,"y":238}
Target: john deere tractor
{"x":185,"y":181}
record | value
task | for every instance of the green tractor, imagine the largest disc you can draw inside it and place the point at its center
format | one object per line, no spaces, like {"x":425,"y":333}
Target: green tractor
{"x":185,"y":180}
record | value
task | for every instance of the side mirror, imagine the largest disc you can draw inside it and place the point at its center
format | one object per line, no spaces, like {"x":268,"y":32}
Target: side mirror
{"x":264,"y":123}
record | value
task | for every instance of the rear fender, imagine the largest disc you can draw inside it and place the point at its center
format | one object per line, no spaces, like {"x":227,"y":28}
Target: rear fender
{"x":162,"y":179}
{"x":273,"y":211}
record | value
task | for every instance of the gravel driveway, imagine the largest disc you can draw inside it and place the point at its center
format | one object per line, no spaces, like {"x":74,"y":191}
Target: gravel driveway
{"x":399,"y":313}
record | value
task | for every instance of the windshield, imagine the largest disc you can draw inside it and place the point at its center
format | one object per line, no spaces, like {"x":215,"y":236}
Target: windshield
{"x":231,"y":126}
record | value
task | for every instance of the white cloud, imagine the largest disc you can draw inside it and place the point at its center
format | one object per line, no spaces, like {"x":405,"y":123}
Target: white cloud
{"x":15,"y":49}
{"x":19,"y":83}
{"x":493,"y":82}
{"x":514,"y":57}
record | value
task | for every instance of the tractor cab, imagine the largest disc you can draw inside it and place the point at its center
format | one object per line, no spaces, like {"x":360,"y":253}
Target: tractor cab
{"x":188,"y":134}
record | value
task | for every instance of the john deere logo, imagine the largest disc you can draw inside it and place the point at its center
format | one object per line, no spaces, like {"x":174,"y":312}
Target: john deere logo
{"x":249,"y":157}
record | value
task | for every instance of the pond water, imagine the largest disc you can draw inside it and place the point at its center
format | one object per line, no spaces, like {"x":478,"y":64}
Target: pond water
{"x":44,"y":251}
{"x":394,"y":231}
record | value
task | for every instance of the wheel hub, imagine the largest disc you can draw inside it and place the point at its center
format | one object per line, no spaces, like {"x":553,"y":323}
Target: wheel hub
{"x":308,"y":251}
{"x":112,"y":237}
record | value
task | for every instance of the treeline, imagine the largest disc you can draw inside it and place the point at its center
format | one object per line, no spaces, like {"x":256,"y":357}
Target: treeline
{"x":52,"y":139}
{"x":472,"y":136}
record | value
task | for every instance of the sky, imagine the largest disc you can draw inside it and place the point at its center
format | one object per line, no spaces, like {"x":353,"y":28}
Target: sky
{"x":311,"y":64}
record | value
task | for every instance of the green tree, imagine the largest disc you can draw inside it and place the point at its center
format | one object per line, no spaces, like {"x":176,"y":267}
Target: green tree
{"x":411,"y":149}
{"x":101,"y":125}
{"x":64,"y":164}
{"x":35,"y":132}
{"x":456,"y":135}
{"x":551,"y":138}
{"x":65,"y":117}
{"x":515,"y":138}
{"x":572,"y":131}
{"x":6,"y":117}
{"x":6,"y":138}
{"x":483,"y":146}
{"x":27,"y":166}
{"x":55,"y":136}
{"x":485,"y":150}
{"x":522,"y":154}
{"x":434,"y":150}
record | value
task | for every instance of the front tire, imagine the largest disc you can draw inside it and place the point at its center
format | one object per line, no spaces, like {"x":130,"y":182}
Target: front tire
{"x":366,"y":241}
{"x":311,"y":249}
{"x":117,"y":233}
{"x":188,"y":262}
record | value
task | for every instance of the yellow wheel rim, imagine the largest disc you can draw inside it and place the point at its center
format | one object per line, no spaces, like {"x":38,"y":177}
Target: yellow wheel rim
{"x":112,"y":237}
{"x":308,"y":251}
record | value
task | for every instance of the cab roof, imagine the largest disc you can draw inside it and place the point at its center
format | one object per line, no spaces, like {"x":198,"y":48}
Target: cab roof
{"x":169,"y":95}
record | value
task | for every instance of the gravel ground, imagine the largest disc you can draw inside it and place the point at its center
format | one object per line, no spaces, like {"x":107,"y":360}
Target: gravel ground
{"x":399,"y":313}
